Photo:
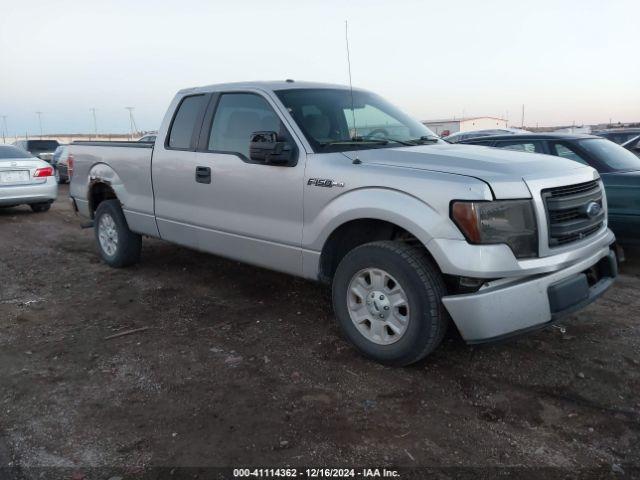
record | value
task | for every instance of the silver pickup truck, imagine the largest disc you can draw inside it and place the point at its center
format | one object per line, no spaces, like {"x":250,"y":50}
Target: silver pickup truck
{"x":337,"y":185}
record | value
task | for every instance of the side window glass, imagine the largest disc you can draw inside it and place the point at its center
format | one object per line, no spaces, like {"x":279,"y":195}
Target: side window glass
{"x":529,"y":147}
{"x":184,"y":122}
{"x":237,"y":116}
{"x":564,"y":151}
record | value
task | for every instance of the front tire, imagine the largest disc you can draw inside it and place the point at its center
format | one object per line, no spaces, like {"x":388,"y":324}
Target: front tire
{"x":40,"y":207}
{"x":118,"y":246}
{"x":387,"y":299}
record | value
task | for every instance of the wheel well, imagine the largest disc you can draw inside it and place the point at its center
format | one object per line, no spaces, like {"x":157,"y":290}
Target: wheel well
{"x":98,"y":193}
{"x":353,"y":234}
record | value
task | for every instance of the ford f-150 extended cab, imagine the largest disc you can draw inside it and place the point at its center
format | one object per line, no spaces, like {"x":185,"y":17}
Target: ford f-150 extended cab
{"x":337,"y":185}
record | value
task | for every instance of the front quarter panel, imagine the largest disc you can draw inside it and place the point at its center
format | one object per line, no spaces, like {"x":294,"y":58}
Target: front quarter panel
{"x":415,"y":200}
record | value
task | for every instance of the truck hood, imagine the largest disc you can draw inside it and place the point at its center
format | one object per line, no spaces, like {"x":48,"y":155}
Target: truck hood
{"x":506,"y":171}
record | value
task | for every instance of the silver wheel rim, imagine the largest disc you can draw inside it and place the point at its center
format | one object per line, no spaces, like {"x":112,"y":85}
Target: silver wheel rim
{"x":378,"y":306}
{"x":108,"y":234}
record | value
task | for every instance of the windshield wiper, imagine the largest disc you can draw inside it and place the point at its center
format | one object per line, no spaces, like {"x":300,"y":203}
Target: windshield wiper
{"x":354,"y":140}
{"x":408,"y":143}
{"x":426,"y":139}
{"x":382,"y":141}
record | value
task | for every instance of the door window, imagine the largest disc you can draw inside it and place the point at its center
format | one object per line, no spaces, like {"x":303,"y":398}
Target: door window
{"x":564,"y":151}
{"x":184,"y":122}
{"x":521,"y":146}
{"x":237,"y":116}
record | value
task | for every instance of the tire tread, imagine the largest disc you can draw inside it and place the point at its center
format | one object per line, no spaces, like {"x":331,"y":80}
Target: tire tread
{"x":432,"y":284}
{"x":129,"y":243}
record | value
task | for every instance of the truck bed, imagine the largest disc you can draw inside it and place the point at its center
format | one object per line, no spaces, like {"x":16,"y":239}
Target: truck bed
{"x":107,"y":143}
{"x":126,"y":168}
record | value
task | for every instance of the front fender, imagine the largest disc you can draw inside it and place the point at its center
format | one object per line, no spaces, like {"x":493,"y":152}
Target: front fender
{"x":402,"y":209}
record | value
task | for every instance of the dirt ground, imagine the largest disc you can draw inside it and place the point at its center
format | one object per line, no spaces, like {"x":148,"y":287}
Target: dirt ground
{"x":241,"y":366}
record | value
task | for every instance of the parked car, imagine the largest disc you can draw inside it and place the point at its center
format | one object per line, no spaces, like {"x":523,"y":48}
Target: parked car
{"x":619,"y":170}
{"x":618,"y":135}
{"x":461,"y":136}
{"x":633,"y":145}
{"x":148,"y":138}
{"x":340,"y":186}
{"x":59,"y":161}
{"x":43,"y":149}
{"x":25,"y":180}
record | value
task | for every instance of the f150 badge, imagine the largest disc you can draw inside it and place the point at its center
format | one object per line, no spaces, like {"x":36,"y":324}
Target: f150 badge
{"x":324,"y":182}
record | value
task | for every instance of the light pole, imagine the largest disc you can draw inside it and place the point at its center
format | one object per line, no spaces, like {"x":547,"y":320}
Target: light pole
{"x":95,"y":122}
{"x":40,"y":122}
{"x":132,"y":123}
{"x":5,"y":132}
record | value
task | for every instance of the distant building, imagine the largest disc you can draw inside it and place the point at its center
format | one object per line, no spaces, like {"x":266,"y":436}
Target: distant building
{"x":447,"y":127}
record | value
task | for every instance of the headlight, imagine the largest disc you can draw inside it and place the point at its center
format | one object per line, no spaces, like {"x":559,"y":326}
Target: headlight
{"x":506,"y":221}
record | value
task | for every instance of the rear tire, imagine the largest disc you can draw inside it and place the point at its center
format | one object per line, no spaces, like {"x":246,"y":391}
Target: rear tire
{"x":40,"y":207}
{"x":387,"y":299}
{"x":118,"y":246}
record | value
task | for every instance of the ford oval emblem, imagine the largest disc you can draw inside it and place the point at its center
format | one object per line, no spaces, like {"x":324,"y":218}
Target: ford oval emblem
{"x":593,"y":209}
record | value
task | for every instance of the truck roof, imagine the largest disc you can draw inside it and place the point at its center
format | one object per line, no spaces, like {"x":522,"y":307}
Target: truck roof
{"x":263,"y":85}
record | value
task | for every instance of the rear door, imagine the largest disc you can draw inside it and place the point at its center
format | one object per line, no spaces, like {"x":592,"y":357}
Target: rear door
{"x":173,"y":172}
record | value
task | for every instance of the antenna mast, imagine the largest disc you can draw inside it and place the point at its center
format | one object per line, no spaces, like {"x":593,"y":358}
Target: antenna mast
{"x":353,"y":112}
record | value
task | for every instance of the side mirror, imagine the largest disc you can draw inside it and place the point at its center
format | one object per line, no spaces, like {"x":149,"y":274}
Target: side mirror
{"x":267,"y":148}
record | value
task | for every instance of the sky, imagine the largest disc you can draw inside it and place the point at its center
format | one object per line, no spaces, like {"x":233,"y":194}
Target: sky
{"x":566,"y":61}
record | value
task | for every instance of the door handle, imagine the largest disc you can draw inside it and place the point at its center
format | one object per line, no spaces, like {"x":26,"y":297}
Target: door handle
{"x":203,"y":175}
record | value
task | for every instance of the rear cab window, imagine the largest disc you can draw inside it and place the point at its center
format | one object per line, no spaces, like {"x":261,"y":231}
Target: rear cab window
{"x":42,"y":145}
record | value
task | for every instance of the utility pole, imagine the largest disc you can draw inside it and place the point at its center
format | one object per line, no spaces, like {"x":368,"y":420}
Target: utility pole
{"x":132,"y":122}
{"x":95,"y":122}
{"x":5,"y":132}
{"x":522,"y":124}
{"x":40,"y":122}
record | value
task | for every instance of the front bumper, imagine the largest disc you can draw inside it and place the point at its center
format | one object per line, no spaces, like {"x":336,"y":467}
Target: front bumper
{"x":509,"y":307}
{"x":26,"y":194}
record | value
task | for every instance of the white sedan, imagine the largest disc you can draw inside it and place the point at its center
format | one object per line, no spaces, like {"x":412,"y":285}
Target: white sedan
{"x":26,"y":180}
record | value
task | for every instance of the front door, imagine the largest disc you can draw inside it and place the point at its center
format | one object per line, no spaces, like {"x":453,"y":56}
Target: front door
{"x":239,"y":208}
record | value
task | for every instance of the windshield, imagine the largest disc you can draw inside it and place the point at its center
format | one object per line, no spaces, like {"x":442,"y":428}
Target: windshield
{"x":327,"y":120}
{"x":612,"y":155}
{"x":9,"y":152}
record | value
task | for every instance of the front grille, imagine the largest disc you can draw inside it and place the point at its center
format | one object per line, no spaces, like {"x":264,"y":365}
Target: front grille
{"x":568,"y":219}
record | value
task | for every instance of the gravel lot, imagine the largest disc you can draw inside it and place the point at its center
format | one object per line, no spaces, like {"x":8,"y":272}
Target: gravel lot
{"x":240,"y":366}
